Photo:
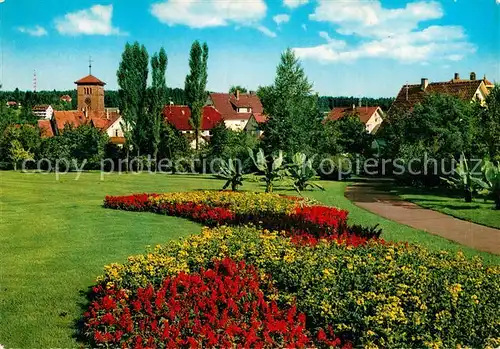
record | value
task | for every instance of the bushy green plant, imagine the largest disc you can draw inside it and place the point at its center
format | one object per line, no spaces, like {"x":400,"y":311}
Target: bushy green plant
{"x":272,"y":167}
{"x":301,"y":171}
{"x":491,"y":184}
{"x":336,"y":167}
{"x":463,"y":179}
{"x":387,"y":296}
{"x":231,"y":171}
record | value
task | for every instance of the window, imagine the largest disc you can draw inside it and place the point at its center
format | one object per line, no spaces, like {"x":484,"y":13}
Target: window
{"x":116,"y":133}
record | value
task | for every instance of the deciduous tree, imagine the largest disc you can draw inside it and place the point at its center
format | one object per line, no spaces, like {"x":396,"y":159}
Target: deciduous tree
{"x":294,"y":119}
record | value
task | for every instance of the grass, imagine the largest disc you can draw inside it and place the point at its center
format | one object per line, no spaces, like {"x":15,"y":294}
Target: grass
{"x":479,"y":211}
{"x":56,"y":237}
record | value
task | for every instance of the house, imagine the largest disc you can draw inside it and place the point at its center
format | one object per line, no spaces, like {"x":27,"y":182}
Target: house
{"x":103,"y":120}
{"x":372,"y":117}
{"x":472,"y":89}
{"x":43,"y":111}
{"x":13,"y":104}
{"x":179,"y":117}
{"x":91,"y":111}
{"x":236,"y":108}
{"x":66,"y":99}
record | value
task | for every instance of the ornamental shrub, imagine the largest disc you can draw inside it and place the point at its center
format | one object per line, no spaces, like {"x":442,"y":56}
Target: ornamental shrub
{"x":377,"y":295}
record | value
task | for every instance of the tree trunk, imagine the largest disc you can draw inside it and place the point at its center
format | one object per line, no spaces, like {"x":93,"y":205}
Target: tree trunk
{"x":128,"y":160}
{"x":497,"y":200}
{"x":197,"y":136}
{"x":468,"y":195}
{"x":15,"y":165}
{"x":155,"y":158}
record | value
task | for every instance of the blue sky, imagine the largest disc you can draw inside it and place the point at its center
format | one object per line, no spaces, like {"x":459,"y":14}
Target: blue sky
{"x":347,"y":47}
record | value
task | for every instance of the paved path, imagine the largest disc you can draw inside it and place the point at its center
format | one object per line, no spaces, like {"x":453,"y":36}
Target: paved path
{"x":374,"y":197}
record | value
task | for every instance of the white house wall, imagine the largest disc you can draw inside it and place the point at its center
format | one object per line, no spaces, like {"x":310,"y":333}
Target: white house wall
{"x":236,"y":125}
{"x":374,"y":121}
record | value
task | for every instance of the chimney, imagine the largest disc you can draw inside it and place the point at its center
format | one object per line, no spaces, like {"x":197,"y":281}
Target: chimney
{"x":424,"y":83}
{"x":86,"y":112}
{"x":473,"y":76}
{"x":107,"y":114}
{"x":457,"y":76}
{"x":354,"y":107}
{"x":237,"y":95}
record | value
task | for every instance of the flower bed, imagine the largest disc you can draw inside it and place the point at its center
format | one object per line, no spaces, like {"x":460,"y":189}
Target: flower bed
{"x":306,"y":222}
{"x":300,"y":276}
{"x":224,"y":306}
{"x":375,"y":296}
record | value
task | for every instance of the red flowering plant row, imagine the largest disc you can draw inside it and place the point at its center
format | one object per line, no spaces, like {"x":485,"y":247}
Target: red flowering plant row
{"x":222,"y":307}
{"x":305,"y":223}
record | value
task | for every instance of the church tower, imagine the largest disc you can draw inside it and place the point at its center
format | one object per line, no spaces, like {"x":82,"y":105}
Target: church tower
{"x":90,"y":92}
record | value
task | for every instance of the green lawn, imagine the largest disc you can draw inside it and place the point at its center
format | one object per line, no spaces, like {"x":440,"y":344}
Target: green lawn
{"x":55,"y":239}
{"x":478,"y":211}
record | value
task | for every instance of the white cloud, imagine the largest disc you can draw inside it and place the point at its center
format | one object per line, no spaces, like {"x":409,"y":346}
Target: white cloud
{"x":96,"y":20}
{"x":266,"y":31}
{"x":386,"y":33}
{"x":370,"y":19}
{"x":34,"y":31}
{"x":334,"y":43}
{"x":281,"y":18}
{"x":294,"y":3}
{"x":436,"y":42}
{"x":209,"y":13}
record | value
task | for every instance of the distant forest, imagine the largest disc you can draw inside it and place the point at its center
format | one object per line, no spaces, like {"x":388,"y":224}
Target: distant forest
{"x":175,"y":95}
{"x":111,"y":98}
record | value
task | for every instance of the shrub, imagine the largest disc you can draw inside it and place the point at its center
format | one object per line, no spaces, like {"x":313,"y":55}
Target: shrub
{"x":375,"y":296}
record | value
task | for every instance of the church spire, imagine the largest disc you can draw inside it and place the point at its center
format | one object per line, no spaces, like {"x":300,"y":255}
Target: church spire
{"x":90,"y":65}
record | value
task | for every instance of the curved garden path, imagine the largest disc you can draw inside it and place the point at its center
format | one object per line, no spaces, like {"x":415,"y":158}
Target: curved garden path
{"x":373,"y":196}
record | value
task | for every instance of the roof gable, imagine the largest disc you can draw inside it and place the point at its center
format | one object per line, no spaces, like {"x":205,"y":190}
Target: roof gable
{"x":90,"y":80}
{"x":409,"y":95}
{"x":227,"y":104}
{"x":364,"y":113}
{"x":179,"y":115}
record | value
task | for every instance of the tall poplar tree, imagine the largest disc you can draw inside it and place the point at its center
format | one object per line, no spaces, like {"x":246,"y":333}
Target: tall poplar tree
{"x":158,"y":98}
{"x":195,"y":85}
{"x":132,"y":79}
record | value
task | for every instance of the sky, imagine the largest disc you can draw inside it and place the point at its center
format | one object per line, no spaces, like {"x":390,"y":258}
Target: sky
{"x":347,"y":47}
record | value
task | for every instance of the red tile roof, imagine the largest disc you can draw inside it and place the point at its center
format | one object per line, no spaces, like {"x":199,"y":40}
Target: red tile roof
{"x":72,"y":117}
{"x":41,"y":107}
{"x":90,"y":80}
{"x":66,"y":98}
{"x":463,"y":89}
{"x":11,"y":103}
{"x":260,"y":118}
{"x":45,"y":128}
{"x":488,"y":83}
{"x":98,"y":119}
{"x":178,"y":116}
{"x":365,"y":113}
{"x":226,"y":104}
